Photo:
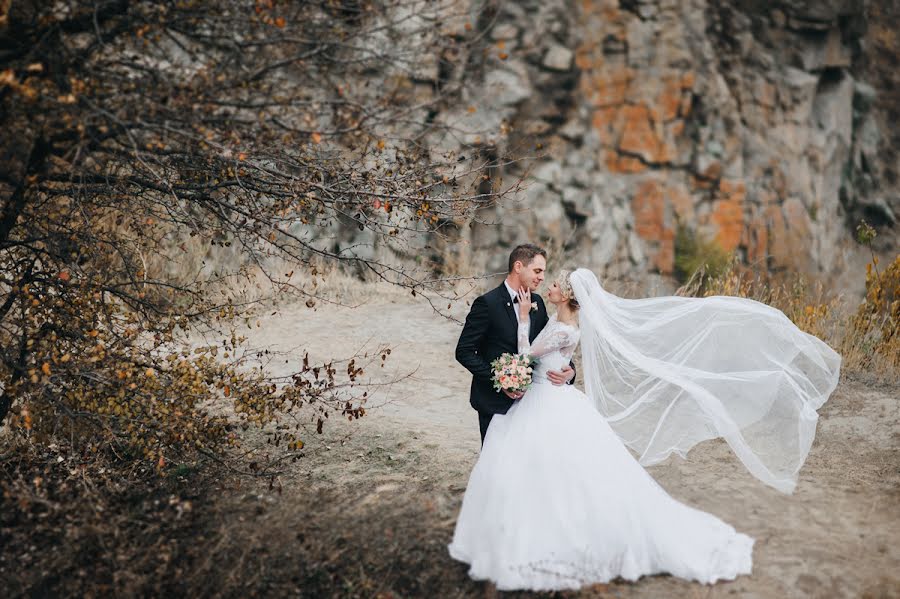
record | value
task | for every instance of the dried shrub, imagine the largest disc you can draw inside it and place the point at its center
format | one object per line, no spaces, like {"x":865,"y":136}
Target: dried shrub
{"x":873,"y":336}
{"x":698,"y":259}
{"x":168,"y":164}
{"x":865,"y":334}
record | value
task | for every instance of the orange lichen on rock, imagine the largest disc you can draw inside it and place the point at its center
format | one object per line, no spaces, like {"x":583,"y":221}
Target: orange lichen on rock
{"x":728,"y":213}
{"x":653,"y":222}
{"x":610,"y":88}
{"x":607,"y":124}
{"x":622,"y":164}
{"x":638,"y":136}
{"x":682,"y":203}
{"x":669,"y":100}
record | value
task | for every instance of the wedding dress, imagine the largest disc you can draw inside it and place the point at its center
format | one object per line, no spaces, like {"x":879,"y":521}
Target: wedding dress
{"x":556,"y":501}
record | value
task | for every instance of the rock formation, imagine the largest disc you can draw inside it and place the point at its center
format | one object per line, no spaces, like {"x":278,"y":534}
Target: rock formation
{"x":745,"y":121}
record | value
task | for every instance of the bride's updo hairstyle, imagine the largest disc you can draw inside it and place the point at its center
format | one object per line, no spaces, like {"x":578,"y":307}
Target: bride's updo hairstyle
{"x":565,"y":286}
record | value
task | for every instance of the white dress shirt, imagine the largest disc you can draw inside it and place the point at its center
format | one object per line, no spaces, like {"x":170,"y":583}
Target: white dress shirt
{"x":513,"y":294}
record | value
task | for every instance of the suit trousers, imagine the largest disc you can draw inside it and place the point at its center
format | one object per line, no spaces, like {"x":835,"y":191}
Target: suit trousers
{"x":484,"y":420}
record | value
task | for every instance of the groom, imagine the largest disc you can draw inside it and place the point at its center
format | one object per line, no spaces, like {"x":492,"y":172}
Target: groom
{"x":491,"y":330}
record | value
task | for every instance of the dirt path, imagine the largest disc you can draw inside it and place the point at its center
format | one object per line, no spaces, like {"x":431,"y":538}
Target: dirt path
{"x":372,"y":513}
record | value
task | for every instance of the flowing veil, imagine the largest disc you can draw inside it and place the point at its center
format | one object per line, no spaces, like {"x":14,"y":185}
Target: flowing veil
{"x":670,"y":372}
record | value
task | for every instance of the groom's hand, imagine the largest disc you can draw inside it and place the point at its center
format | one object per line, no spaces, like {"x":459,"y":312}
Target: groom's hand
{"x":561,"y":377}
{"x":513,"y":395}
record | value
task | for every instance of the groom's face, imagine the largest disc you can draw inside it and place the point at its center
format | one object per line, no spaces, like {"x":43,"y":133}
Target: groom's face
{"x":532,"y":274}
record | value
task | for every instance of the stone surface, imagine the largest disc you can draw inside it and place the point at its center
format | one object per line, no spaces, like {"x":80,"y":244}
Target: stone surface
{"x":504,"y":31}
{"x":506,"y":87}
{"x":832,"y":109}
{"x":747,"y":121}
{"x":558,"y":58}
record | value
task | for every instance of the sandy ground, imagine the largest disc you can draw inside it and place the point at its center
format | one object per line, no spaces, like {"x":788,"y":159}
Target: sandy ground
{"x":393,"y":487}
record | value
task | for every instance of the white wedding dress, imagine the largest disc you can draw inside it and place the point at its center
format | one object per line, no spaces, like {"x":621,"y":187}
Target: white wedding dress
{"x":556,"y":501}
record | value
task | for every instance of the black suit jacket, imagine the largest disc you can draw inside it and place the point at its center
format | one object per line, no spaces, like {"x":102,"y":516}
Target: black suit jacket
{"x":491,"y":330}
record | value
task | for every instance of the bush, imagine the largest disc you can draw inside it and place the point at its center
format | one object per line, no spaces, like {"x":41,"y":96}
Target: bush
{"x":874,"y":332}
{"x":698,"y":259}
{"x":865,"y":334}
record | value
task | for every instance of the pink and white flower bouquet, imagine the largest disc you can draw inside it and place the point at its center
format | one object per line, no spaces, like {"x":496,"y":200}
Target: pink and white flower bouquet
{"x":512,"y":372}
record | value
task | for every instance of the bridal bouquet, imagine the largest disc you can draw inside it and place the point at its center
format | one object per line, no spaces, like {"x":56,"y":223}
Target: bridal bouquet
{"x":512,"y":372}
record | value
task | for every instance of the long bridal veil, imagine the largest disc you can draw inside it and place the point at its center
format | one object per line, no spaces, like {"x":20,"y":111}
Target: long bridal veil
{"x":670,"y":372}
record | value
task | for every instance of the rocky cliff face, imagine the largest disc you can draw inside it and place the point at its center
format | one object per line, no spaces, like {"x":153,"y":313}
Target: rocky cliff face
{"x":743,"y":120}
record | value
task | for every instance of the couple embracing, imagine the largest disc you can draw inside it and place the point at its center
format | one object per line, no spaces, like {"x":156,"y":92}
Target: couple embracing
{"x":559,"y":497}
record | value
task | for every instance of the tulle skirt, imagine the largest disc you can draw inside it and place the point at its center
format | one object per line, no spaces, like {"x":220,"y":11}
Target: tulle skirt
{"x":556,"y":502}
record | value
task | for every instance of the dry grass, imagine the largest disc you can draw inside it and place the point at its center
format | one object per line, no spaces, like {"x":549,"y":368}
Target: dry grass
{"x":96,"y":525}
{"x":866,"y":334}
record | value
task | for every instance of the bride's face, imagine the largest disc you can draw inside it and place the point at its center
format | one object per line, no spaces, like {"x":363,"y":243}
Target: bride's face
{"x":554,"y":294}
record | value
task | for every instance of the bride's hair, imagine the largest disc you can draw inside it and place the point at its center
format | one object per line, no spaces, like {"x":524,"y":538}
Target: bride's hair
{"x":565,"y":286}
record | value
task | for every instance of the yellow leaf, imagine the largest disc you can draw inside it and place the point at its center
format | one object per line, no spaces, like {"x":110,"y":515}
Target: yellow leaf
{"x":45,"y":368}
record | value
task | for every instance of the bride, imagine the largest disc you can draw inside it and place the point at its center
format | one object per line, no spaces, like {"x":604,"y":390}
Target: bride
{"x":557,"y":501}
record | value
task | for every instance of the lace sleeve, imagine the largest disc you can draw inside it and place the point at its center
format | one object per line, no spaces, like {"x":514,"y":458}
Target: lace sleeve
{"x":549,"y":340}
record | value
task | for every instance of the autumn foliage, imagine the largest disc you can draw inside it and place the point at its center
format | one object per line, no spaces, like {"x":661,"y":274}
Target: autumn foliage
{"x":167,"y":165}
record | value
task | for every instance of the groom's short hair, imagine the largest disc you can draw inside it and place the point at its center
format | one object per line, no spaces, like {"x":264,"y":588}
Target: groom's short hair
{"x":525,"y":253}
